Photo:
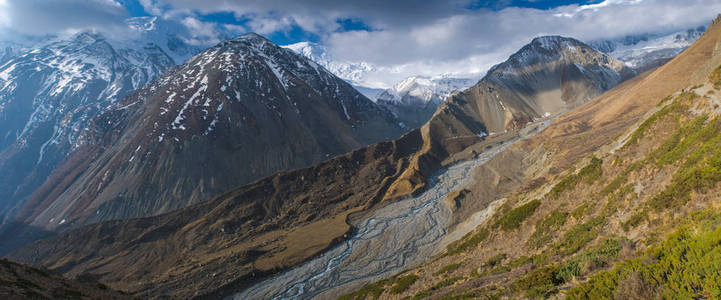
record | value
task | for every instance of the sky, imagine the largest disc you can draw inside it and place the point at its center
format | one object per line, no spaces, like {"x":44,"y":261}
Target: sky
{"x":398,"y":38}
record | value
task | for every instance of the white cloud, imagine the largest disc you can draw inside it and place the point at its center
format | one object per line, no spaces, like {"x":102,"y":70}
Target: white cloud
{"x":203,"y":33}
{"x":151,"y":7}
{"x":408,"y":37}
{"x":270,"y":24}
{"x":432,"y":37}
{"x":473,"y":41}
{"x":38,"y":17}
{"x":4,"y":16}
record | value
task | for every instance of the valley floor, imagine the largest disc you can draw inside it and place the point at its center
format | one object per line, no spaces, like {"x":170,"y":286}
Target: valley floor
{"x":393,"y":238}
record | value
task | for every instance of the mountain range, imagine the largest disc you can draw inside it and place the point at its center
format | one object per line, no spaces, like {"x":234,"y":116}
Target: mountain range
{"x":234,"y":113}
{"x":613,"y":200}
{"x":248,"y":170}
{"x":48,"y":95}
{"x":414,"y":99}
{"x":646,"y":51}
{"x":264,"y":226}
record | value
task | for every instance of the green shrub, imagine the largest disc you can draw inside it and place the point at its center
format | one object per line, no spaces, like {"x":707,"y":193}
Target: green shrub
{"x":445,"y":283}
{"x":588,"y":174}
{"x":540,"y":283}
{"x":635,"y":220}
{"x":544,"y":281}
{"x":421,"y":295}
{"x":614,"y":201}
{"x":373,"y":290}
{"x":613,"y":185}
{"x":402,"y":283}
{"x":700,"y":178}
{"x":467,"y":242}
{"x":691,"y":134}
{"x":640,"y":132}
{"x":578,"y":236}
{"x":597,"y":256}
{"x":567,"y":271}
{"x":582,"y":210}
{"x":495,"y":260}
{"x":546,"y":227}
{"x":699,"y":142}
{"x":513,"y":218}
{"x":484,"y":293}
{"x":685,"y":266}
{"x":447,"y":269}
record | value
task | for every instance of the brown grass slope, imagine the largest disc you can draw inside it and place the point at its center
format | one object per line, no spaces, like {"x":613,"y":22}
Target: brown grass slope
{"x":533,"y":82}
{"x":226,"y":243}
{"x":630,"y":175}
{"x":18,"y":281}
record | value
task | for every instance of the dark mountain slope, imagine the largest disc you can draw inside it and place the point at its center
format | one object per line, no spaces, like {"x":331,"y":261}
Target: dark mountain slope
{"x":48,"y":95}
{"x":18,"y":281}
{"x":239,"y":111}
{"x":222,"y":245}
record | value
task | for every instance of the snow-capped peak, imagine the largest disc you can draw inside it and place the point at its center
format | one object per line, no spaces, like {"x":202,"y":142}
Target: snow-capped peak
{"x":548,"y":49}
{"x":645,"y":51}
{"x":142,"y":23}
{"x":352,"y":72}
{"x":421,"y":90}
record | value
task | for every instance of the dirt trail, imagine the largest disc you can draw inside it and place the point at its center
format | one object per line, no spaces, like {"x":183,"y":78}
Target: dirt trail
{"x":392,"y":239}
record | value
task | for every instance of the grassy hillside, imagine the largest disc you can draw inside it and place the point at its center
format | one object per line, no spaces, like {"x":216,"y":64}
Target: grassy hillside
{"x":637,"y":219}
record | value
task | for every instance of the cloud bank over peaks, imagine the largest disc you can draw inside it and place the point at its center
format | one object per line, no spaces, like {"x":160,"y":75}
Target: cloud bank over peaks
{"x":397,"y":38}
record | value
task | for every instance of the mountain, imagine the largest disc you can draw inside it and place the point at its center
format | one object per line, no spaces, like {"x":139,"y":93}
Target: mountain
{"x":25,"y":282}
{"x":614,"y":200}
{"x":236,"y":112}
{"x":550,"y":75}
{"x":51,"y":90}
{"x":49,"y":94}
{"x":351,"y":71}
{"x":170,"y":37}
{"x":227,"y":243}
{"x":9,"y":50}
{"x":416,"y":98}
{"x":646,"y":51}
